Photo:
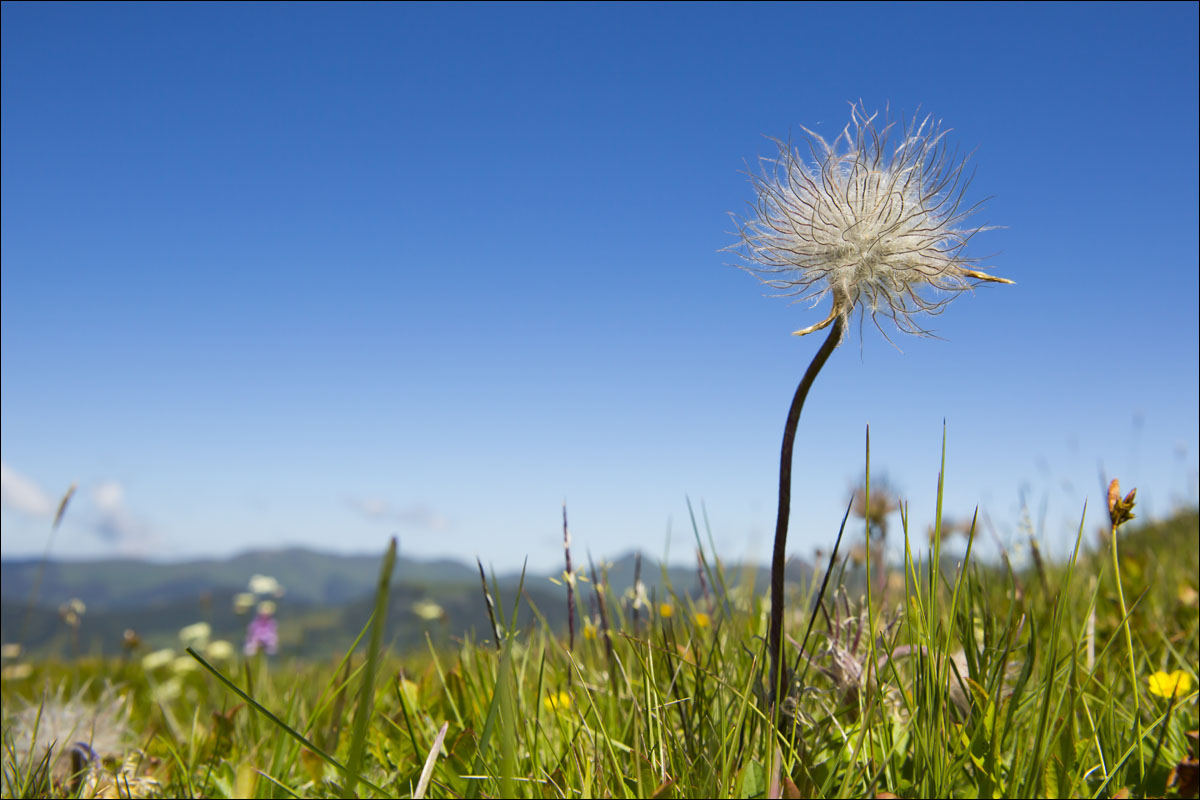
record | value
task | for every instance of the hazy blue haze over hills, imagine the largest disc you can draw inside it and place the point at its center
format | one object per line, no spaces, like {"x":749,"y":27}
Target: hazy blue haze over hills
{"x":308,"y":577}
{"x":327,"y":597}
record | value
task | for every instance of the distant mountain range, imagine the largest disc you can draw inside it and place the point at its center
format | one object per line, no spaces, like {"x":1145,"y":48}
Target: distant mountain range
{"x":327,"y":599}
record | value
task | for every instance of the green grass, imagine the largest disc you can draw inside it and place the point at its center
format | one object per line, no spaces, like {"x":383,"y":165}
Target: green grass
{"x":961,"y":679}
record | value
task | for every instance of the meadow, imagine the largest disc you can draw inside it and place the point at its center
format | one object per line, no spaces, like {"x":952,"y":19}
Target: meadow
{"x":935,"y":677}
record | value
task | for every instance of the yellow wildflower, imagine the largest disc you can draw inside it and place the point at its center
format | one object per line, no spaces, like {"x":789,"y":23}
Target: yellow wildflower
{"x":589,"y":631}
{"x":702,"y":620}
{"x":1170,"y":684}
{"x":557,"y":702}
{"x":666,"y":610}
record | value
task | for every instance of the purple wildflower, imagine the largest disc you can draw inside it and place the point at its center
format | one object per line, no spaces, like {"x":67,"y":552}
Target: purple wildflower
{"x":262,"y":634}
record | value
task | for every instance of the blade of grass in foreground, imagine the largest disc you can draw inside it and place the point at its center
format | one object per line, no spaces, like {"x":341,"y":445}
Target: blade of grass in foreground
{"x":502,"y":707}
{"x":283,"y":726}
{"x":431,"y":759}
{"x":323,"y":701}
{"x":366,"y":696}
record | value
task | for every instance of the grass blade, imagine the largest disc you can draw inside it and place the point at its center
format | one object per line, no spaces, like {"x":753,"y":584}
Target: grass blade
{"x":366,"y":696}
{"x":430,"y":760}
{"x":283,"y":726}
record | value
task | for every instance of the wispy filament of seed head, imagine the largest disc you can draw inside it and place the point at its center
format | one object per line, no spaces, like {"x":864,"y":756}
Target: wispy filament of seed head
{"x":878,"y":224}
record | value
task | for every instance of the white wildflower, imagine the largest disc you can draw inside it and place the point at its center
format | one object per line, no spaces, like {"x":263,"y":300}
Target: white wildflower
{"x":428,"y":610}
{"x":184,"y":665}
{"x":265,"y":585}
{"x":639,"y":596}
{"x":219,"y":650}
{"x":168,"y":690}
{"x":158,"y":659}
{"x":195,"y":635}
{"x":16,"y":672}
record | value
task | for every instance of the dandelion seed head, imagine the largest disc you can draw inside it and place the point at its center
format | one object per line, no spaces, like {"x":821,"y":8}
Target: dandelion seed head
{"x":876,"y":219}
{"x":58,"y":725}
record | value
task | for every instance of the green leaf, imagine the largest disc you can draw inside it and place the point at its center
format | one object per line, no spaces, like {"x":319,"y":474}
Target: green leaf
{"x":752,"y":780}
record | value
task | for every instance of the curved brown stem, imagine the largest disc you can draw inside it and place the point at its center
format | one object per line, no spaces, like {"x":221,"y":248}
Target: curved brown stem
{"x":779,"y":556}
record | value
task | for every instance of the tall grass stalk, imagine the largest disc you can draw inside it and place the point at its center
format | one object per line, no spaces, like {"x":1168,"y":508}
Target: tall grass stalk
{"x":366,"y":694}
{"x":1120,"y":510}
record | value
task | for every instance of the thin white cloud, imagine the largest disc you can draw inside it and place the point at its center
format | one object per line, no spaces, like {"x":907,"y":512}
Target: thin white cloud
{"x":415,"y":516}
{"x":21,"y":494}
{"x":115,"y":523}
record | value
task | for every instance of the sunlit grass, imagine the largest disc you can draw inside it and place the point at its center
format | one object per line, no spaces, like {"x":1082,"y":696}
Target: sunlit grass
{"x":960,"y":679}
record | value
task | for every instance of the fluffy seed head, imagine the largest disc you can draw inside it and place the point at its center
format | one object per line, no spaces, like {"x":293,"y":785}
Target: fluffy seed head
{"x":876,"y":219}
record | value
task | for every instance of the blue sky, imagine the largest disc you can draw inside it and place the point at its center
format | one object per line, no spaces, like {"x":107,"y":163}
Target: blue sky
{"x":317,"y":274}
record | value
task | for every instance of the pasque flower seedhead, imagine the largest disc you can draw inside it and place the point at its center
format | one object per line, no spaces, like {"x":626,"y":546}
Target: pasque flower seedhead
{"x":877,"y":219}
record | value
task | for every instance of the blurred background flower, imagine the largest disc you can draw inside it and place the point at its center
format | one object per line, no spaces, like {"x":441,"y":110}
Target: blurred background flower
{"x":428,"y":610}
{"x":266,"y":586}
{"x":262,"y":634}
{"x":219,"y":650}
{"x":195,"y":635}
{"x":243,"y":602}
{"x":157,"y":659}
{"x":557,"y":701}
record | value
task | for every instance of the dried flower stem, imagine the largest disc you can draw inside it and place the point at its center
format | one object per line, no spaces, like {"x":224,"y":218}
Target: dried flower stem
{"x":779,"y":556}
{"x":1133,"y":678}
{"x":570,"y":579}
{"x":637,"y":580}
{"x":602,"y":605}
{"x":491,"y":607}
